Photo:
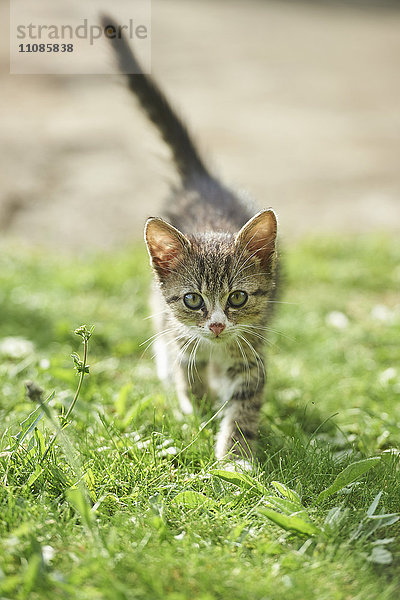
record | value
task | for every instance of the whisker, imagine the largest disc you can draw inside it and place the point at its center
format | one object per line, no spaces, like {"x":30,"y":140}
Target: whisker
{"x":254,"y":333}
{"x":182,"y":351}
{"x":281,"y":302}
{"x":154,"y":338}
{"x":189,"y":366}
{"x":156,"y":335}
{"x":168,"y":343}
{"x":256,"y":356}
{"x":161,"y":312}
{"x":263,"y":338}
{"x":192,"y":361}
{"x":246,"y":366}
{"x":266,"y":328}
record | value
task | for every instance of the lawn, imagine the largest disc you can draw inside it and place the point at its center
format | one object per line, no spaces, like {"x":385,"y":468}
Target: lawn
{"x":129,"y":502}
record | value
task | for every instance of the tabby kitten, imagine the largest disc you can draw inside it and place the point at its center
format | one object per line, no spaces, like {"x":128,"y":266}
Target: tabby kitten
{"x":215,"y":268}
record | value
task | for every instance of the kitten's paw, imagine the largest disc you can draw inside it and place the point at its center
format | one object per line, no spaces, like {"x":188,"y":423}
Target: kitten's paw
{"x":186,"y":405}
{"x":240,"y":465}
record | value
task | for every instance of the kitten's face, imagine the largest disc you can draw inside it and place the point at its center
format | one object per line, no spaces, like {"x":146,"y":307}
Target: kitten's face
{"x":216,"y":285}
{"x":213,"y":294}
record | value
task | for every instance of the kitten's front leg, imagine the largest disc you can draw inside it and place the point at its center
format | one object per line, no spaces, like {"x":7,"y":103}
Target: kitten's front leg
{"x":238,"y":429}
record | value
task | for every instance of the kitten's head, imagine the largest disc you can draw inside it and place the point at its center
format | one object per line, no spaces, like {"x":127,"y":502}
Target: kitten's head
{"x":216,"y":285}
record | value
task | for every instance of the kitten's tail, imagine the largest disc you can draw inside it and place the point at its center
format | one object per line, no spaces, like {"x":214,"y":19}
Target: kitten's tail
{"x":188,"y":162}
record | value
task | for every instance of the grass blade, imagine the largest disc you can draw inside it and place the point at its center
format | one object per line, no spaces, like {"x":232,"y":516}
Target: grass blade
{"x":241,"y":480}
{"x":29,"y":424}
{"x":286,"y":492}
{"x":193,"y":499}
{"x":351,"y":473}
{"x":290,"y":523}
{"x":286,"y":506}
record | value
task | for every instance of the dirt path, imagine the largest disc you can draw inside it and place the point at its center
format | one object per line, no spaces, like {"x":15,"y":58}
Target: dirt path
{"x":297,"y":103}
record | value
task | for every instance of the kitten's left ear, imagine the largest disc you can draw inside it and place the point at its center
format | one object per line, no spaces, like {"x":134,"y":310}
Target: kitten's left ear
{"x":258,"y":235}
{"x":167,"y":246}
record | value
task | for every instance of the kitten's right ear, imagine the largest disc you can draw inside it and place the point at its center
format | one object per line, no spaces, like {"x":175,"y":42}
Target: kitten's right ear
{"x":166,"y":245}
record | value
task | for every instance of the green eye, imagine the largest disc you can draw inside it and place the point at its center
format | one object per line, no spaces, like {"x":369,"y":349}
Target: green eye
{"x":193,"y":301}
{"x":237,"y":299}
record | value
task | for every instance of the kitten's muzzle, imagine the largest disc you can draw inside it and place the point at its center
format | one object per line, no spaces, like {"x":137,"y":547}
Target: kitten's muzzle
{"x":216,"y":328}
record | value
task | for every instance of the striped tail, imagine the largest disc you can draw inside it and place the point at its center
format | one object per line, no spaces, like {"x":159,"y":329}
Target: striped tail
{"x":187,"y":160}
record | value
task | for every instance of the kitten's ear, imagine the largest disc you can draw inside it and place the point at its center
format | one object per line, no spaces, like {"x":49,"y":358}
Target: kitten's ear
{"x":258,"y":236}
{"x":166,"y":245}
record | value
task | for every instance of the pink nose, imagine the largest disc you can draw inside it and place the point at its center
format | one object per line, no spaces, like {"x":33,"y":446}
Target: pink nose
{"x":217,"y":328}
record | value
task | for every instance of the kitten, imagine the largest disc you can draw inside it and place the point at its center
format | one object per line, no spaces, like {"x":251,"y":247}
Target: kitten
{"x":215,"y":267}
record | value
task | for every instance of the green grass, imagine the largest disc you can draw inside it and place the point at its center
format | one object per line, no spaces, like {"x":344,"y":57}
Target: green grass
{"x":107,"y":514}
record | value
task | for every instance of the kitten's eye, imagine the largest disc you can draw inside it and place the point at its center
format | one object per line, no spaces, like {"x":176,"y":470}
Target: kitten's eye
{"x":193,"y":301}
{"x":237,"y":299}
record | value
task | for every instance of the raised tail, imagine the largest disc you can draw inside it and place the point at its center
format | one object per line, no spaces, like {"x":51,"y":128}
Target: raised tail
{"x":188,"y":162}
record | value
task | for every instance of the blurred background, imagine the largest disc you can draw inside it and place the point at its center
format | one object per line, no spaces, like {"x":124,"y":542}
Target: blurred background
{"x":297,"y":102}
